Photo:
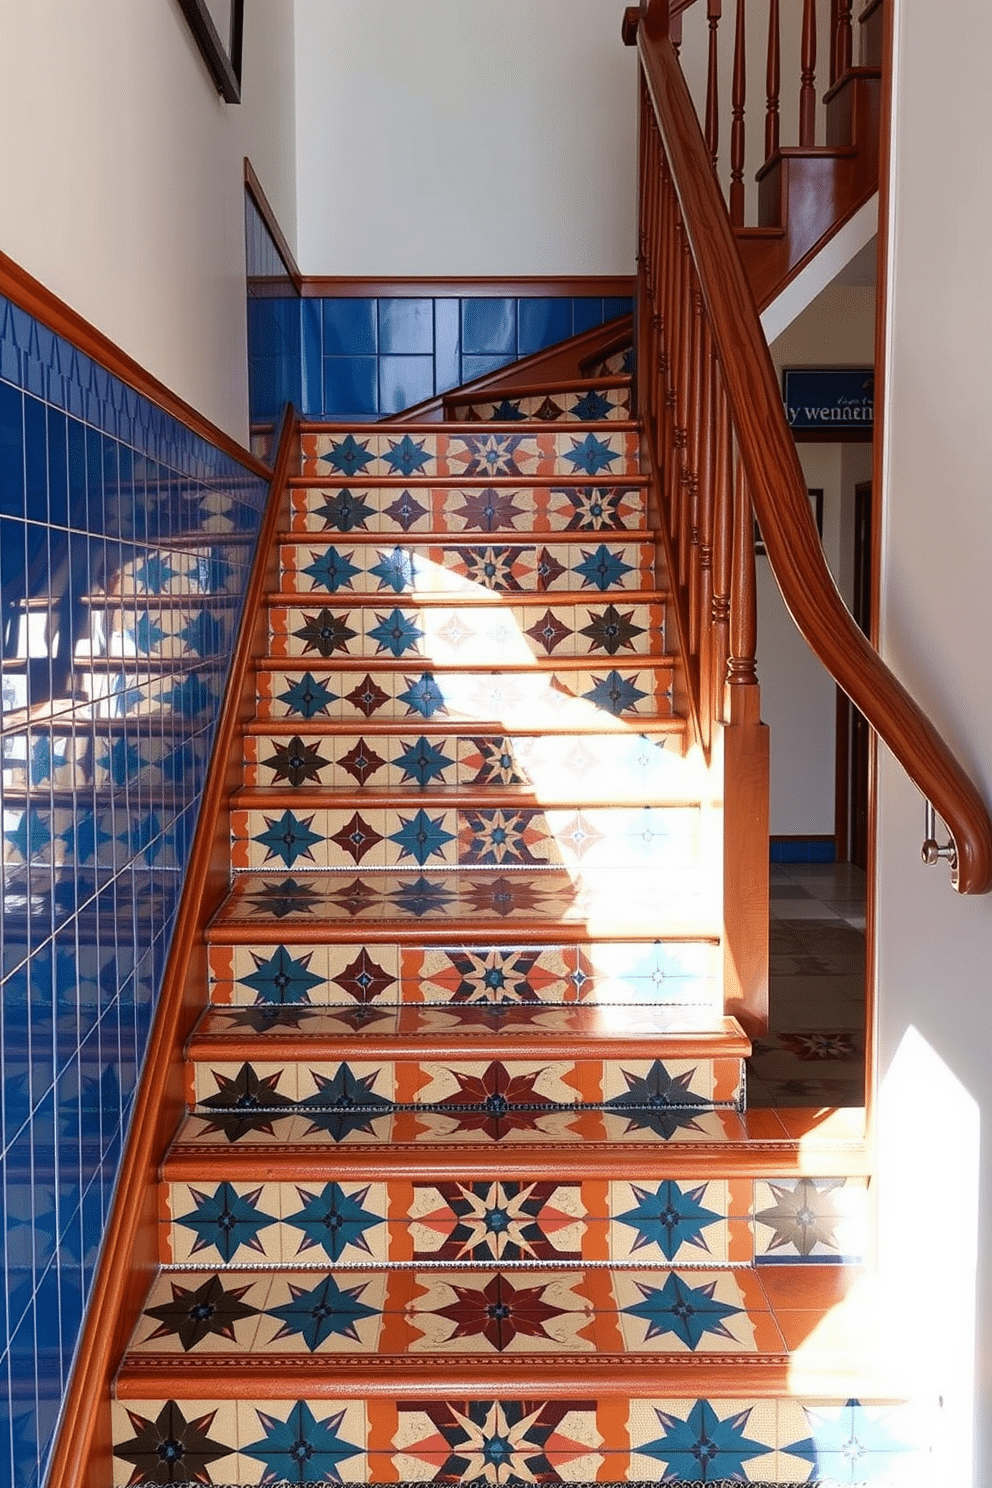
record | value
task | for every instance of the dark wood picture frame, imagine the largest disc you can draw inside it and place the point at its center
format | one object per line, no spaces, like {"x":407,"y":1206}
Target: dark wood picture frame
{"x":223,"y":58}
{"x":815,"y":494}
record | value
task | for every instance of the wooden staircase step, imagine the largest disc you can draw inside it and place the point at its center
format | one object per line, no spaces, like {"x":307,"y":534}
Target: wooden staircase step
{"x":469,"y":508}
{"x":429,"y":451}
{"x":486,"y":904}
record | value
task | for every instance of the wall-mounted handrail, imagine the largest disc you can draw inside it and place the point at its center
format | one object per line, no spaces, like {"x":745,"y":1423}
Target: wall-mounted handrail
{"x":765,"y":449}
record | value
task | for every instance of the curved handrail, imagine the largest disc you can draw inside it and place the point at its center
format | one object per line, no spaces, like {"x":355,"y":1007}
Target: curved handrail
{"x":777,"y":485}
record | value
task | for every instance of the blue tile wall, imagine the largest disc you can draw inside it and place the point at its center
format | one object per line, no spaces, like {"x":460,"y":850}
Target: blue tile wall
{"x":276,"y":330}
{"x":125,"y":542}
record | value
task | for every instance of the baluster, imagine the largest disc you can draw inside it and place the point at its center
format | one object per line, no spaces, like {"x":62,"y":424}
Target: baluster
{"x":807,"y":86}
{"x":686,"y":314}
{"x":707,"y":473}
{"x":773,"y":81}
{"x":723,"y":526}
{"x":713,"y":12}
{"x":738,"y":96}
{"x":843,"y":40}
{"x":694,"y":431}
{"x":741,"y":668}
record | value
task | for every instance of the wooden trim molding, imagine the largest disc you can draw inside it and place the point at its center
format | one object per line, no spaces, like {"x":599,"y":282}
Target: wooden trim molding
{"x":322,"y":286}
{"x":254,"y":188}
{"x":130,"y":1253}
{"x":30,"y":294}
{"x":778,"y":486}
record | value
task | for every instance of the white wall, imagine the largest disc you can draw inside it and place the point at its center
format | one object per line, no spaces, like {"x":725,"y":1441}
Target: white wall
{"x":798,"y":697}
{"x":121,"y":178}
{"x":465,"y":137}
{"x":934,"y":949}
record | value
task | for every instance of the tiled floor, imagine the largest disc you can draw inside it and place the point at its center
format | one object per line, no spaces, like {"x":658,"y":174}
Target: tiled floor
{"x":813,"y":1053}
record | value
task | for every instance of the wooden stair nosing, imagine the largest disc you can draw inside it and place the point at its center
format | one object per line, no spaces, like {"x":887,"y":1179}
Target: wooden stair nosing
{"x":468,"y":932}
{"x":606,"y":479}
{"x":452,"y":797}
{"x":388,"y":728}
{"x":578,"y":384}
{"x":440,"y":599}
{"x":456,"y":428}
{"x":658,"y":661}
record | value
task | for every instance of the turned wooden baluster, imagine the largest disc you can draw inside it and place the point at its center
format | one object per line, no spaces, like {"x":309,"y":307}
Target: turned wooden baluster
{"x":695,"y":433}
{"x":807,"y":85}
{"x":713,"y":12}
{"x":687,"y":319}
{"x":738,"y":96}
{"x":843,"y":48}
{"x":703,"y":553}
{"x":741,"y":668}
{"x":773,"y":81}
{"x":723,"y":524}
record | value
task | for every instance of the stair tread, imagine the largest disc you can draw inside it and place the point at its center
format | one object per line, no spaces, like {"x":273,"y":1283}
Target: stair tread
{"x":439,"y":599}
{"x":645,"y":725}
{"x":486,"y":797}
{"x":475,"y":1031}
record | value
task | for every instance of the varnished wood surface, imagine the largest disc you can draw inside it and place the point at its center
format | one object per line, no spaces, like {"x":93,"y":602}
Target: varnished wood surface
{"x":31,"y":295}
{"x":469,"y":286}
{"x":254,"y":186}
{"x":778,"y":487}
{"x":130,"y":1255}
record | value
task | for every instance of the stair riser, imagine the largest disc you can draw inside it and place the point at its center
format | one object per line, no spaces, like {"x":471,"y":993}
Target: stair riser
{"x":656,"y":975}
{"x":376,"y":1084}
{"x":589,"y":405}
{"x":582,"y":1439}
{"x":382,"y":570}
{"x":665,"y":839}
{"x":470,"y":511}
{"x":603,"y":452}
{"x":565,"y":767}
{"x":685,"y":1222}
{"x":470,"y":635}
{"x":527,"y":698}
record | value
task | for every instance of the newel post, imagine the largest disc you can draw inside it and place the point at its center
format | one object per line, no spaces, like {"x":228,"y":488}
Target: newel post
{"x":745,"y":799}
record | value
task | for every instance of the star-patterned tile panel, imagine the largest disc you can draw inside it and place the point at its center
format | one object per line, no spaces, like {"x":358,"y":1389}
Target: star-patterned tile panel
{"x":471,"y":634}
{"x":468,"y":509}
{"x":507,"y":566}
{"x":555,"y":694}
{"x":505,"y":1442}
{"x":431,"y":454}
{"x":387,"y":836}
{"x":591,"y":403}
{"x":614,"y":974}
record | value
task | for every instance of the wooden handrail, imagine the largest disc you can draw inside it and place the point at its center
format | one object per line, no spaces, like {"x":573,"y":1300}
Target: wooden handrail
{"x":773,"y":475}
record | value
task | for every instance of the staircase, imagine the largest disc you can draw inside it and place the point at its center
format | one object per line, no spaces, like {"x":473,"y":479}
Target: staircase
{"x":466,"y":1189}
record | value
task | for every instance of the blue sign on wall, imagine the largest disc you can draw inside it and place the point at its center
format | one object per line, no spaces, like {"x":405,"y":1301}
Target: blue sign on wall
{"x":839,"y":400}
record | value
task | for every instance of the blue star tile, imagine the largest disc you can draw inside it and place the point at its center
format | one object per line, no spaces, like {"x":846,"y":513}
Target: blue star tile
{"x":226,"y":1220}
{"x":844,"y":1440}
{"x":326,"y":1311}
{"x":422,"y":837}
{"x":190,"y":696}
{"x":281,"y":979}
{"x":121,"y":761}
{"x":147,"y":635}
{"x":395,"y":633}
{"x":333,"y":1220}
{"x":205,"y":634}
{"x":288,"y":838}
{"x":423,"y":696}
{"x":345,"y":510}
{"x":423,"y":761}
{"x":308,"y":697}
{"x":394,"y":571}
{"x":688,"y":1312}
{"x":669,"y":1217}
{"x":702,"y":1448}
{"x":405,"y":457}
{"x":602,"y":569}
{"x":155,"y":574}
{"x":615,"y":693}
{"x":591,"y":407}
{"x":332,"y":570}
{"x":423,"y":896}
{"x":31,"y":835}
{"x":301,"y":1449}
{"x":591,"y":455}
{"x":348,"y":456}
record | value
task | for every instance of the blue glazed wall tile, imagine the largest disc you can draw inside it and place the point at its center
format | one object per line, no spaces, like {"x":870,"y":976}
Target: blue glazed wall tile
{"x":489,"y":326}
{"x":350,"y":327}
{"x":102,"y":495}
{"x":312,"y":383}
{"x":542,"y":322}
{"x":447,"y":344}
{"x":478,"y":366}
{"x":586,"y":313}
{"x":403,"y":381}
{"x":406,"y":327}
{"x":351,"y":384}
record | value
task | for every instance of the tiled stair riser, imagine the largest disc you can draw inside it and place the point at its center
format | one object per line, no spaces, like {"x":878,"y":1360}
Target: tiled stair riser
{"x":576,"y":405}
{"x":664,"y":838}
{"x":581,"y":1440}
{"x":612,"y":973}
{"x":549,"y":693}
{"x":479,"y":508}
{"x":599,"y":451}
{"x":362,"y":567}
{"x":642,"y":767}
{"x":683,"y":1222}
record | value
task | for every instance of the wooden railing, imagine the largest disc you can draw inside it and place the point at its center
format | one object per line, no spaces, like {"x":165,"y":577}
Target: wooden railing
{"x":721,"y":454}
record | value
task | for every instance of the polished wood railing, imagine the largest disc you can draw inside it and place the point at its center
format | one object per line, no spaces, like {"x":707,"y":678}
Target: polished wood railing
{"x":721,"y":455}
